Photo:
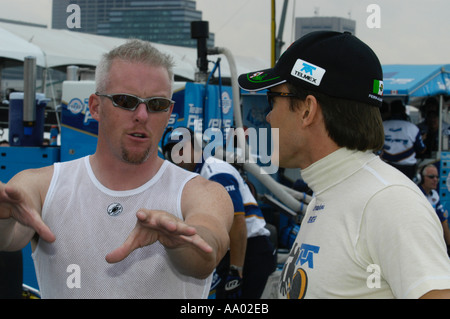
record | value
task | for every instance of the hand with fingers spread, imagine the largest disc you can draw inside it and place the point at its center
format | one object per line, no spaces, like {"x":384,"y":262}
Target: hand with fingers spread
{"x":154,"y":225}
{"x":20,"y":214}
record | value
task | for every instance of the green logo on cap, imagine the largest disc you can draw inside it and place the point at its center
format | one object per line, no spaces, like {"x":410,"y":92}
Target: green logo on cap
{"x":259,"y":77}
{"x":378,"y":87}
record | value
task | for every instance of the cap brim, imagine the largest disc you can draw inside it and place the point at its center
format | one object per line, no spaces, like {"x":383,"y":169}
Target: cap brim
{"x":260,"y":80}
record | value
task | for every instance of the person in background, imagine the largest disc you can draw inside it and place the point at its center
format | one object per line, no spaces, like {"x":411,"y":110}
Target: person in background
{"x":244,"y":270}
{"x":403,"y":141}
{"x":429,"y":179}
{"x":429,"y":127}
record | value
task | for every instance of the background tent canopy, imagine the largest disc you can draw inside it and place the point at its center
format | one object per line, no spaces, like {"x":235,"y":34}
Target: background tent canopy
{"x":416,"y":80}
{"x":16,"y":48}
{"x":56,"y":48}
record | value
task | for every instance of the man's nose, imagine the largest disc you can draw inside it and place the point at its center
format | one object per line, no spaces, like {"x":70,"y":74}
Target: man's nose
{"x":141,"y":112}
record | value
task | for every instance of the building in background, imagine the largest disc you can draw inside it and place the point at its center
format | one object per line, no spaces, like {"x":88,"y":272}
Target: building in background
{"x":166,"y":22}
{"x":310,"y":24}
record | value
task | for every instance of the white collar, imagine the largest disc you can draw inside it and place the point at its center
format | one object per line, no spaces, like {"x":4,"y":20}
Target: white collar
{"x":334,"y":168}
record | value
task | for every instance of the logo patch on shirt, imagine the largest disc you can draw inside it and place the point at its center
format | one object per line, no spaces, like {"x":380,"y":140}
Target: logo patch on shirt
{"x":114,"y":209}
{"x":308,"y":72}
{"x":294,"y":280}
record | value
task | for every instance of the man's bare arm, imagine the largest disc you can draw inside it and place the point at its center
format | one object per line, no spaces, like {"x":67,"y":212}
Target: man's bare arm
{"x":21,"y":201}
{"x":208,"y":208}
{"x":437,"y":294}
{"x":195,"y":245}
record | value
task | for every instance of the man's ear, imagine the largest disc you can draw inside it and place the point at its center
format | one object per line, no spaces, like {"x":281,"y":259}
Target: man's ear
{"x":309,"y":110}
{"x":94,"y":102}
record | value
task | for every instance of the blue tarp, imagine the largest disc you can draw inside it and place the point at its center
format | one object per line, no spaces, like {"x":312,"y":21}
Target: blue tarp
{"x":416,"y":80}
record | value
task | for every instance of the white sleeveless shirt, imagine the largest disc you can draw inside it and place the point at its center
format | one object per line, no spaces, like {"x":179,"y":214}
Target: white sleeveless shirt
{"x":90,"y":220}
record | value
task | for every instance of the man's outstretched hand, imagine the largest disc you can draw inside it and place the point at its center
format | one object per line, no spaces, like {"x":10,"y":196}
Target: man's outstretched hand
{"x":155,"y":225}
{"x":16,"y":205}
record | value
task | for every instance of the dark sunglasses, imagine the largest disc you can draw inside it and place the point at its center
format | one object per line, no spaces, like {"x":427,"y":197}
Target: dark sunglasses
{"x":130,"y":102}
{"x":271,"y":95}
{"x":432,"y":176}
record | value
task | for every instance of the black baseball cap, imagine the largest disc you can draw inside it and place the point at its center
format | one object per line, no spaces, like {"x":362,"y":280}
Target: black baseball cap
{"x":334,"y":63}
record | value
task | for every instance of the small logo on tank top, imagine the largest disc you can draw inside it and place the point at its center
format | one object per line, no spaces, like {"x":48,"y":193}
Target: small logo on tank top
{"x":114,"y":209}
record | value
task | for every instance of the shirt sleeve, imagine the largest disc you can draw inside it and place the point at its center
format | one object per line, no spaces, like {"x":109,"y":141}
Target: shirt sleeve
{"x":440,"y":211}
{"x":232,"y":186}
{"x":419,"y":145}
{"x":405,"y":238}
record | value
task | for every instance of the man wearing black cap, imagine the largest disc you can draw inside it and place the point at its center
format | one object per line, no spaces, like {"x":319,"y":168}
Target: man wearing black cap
{"x":369,"y":232}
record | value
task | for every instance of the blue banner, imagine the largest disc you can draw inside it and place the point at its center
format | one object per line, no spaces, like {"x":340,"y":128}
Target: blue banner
{"x":198,"y":104}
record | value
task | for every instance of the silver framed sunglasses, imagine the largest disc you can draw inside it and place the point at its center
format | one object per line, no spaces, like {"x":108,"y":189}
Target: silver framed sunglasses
{"x":131,"y":102}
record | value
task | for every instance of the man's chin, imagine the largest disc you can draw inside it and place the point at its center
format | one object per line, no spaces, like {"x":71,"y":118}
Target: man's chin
{"x":135,"y":158}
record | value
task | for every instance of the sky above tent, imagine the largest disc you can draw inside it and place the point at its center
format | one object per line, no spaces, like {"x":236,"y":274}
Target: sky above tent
{"x":409,"y":32}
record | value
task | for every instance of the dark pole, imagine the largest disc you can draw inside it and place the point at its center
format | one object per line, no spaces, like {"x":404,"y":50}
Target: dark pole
{"x":200,"y":31}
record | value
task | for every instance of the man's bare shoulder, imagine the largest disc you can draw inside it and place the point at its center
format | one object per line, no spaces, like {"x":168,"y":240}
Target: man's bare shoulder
{"x":34,"y":179}
{"x":206,"y":195}
{"x":41,"y":174}
{"x":200,"y":185}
